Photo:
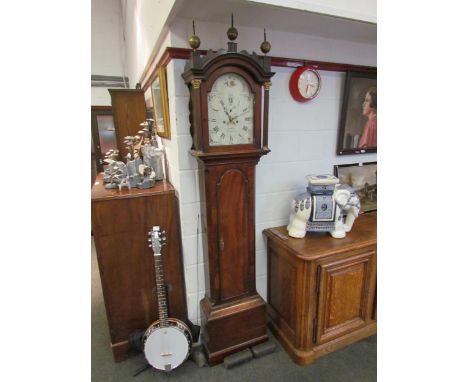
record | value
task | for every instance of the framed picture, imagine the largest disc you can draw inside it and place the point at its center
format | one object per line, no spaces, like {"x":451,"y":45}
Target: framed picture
{"x":363,"y":178}
{"x":160,"y":103}
{"x":358,"y":123}
{"x":149,"y":103}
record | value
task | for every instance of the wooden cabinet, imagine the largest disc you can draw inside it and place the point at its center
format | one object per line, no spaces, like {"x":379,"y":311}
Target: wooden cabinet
{"x":321,"y":290}
{"x":121,"y":221}
{"x":129,"y":110}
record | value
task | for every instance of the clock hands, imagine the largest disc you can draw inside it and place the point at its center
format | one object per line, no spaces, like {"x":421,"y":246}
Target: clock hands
{"x":225,"y":111}
{"x":310,"y":85}
{"x":230,"y":118}
{"x":238,"y":115}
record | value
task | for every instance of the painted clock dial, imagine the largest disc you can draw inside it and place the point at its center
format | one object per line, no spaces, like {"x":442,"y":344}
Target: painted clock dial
{"x":230,"y":111}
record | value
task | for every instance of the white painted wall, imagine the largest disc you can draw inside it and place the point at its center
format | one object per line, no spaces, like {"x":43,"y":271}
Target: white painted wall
{"x":302,"y":137}
{"x":213,"y":36}
{"x":365,"y":10}
{"x":146,"y":24}
{"x":107,"y":54}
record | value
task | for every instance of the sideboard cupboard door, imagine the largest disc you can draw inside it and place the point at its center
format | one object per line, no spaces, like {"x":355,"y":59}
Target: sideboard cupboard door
{"x":345,"y":296}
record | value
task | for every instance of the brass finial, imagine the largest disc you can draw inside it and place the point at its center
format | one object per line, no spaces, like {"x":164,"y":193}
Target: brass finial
{"x":232,"y":32}
{"x":194,"y":40}
{"x":265,"y":46}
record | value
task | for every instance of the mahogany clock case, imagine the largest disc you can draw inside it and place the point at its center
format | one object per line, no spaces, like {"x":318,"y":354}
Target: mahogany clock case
{"x":233,"y":314}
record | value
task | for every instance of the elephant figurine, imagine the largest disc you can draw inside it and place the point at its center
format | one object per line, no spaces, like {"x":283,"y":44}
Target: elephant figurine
{"x":326,"y":207}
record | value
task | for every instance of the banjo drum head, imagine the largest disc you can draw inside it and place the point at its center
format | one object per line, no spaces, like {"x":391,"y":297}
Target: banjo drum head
{"x":166,"y":348}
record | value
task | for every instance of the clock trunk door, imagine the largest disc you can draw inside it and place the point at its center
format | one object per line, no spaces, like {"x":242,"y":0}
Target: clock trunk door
{"x":233,"y":195}
{"x":231,"y":231}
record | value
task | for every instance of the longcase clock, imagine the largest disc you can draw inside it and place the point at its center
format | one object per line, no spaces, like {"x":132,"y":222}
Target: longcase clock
{"x":226,"y":114}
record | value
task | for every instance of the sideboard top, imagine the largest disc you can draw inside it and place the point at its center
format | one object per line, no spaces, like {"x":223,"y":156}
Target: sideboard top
{"x":99,"y":192}
{"x":316,"y":244}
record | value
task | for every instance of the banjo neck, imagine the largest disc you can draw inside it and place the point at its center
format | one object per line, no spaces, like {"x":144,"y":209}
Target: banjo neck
{"x":161,"y":289}
{"x":158,"y":240}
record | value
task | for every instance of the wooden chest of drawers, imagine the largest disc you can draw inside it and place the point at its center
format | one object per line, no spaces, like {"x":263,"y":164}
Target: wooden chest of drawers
{"x":321,"y":290}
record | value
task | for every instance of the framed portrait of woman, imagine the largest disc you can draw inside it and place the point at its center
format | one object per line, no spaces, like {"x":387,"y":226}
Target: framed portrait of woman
{"x":358,"y":123}
{"x":161,"y":104}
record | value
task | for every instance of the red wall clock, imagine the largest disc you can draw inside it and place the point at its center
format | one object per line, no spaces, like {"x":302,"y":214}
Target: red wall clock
{"x":304,"y":84}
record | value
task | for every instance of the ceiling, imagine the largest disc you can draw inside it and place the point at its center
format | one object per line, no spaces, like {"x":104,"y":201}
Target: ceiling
{"x":281,"y":19}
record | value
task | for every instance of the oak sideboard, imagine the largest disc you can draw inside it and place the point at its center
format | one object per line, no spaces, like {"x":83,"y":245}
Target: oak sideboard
{"x":321,"y":290}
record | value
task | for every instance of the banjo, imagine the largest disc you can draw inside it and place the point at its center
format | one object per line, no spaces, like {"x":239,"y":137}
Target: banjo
{"x":167,"y":341}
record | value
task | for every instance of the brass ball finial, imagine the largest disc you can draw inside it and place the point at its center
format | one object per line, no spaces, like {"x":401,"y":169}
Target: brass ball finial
{"x":194,"y":40}
{"x":265,"y":46}
{"x":232,"y":32}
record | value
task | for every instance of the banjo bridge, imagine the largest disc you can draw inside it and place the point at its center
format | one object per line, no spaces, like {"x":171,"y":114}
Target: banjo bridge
{"x":165,"y":354}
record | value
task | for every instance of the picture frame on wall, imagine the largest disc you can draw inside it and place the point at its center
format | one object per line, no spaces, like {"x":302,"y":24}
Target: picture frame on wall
{"x":161,"y":104}
{"x":358,"y":122}
{"x":149,"y":103}
{"x":363,"y":178}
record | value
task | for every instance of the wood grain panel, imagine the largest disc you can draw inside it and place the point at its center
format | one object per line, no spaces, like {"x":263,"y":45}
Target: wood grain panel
{"x":343,"y":295}
{"x":282,"y":294}
{"x":129,"y":110}
{"x":232,"y":193}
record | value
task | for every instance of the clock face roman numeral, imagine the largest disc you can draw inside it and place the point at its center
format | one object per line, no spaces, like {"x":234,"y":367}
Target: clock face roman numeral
{"x":230,"y":111}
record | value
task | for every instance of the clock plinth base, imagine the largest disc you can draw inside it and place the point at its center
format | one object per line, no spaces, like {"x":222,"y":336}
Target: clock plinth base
{"x":232,"y":327}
